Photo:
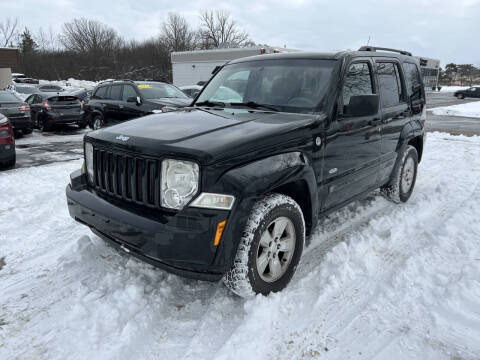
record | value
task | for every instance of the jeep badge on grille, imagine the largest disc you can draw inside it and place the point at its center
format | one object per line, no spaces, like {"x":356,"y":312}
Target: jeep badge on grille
{"x":123,"y":138}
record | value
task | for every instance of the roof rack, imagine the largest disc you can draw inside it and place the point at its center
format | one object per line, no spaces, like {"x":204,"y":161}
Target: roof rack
{"x":375,"y":48}
{"x":113,"y":80}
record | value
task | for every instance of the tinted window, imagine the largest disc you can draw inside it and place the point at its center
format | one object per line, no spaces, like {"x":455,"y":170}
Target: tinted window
{"x":115,"y":92}
{"x":412,"y":78}
{"x":128,"y":91}
{"x":389,"y":84}
{"x":358,"y":81}
{"x":158,"y":91}
{"x":100,"y":93}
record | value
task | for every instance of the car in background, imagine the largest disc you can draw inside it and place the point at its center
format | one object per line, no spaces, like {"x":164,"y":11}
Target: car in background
{"x":191,"y":90}
{"x":50,"y":88}
{"x":22,"y":78}
{"x":82,"y":94}
{"x":473,"y":92}
{"x":117,"y":101}
{"x":48,"y":110}
{"x":7,"y":143}
{"x":17,"y":111}
{"x":23,"y":90}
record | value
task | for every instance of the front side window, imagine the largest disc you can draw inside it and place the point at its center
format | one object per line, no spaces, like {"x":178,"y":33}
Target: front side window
{"x":128,"y":92}
{"x":389,"y":84}
{"x":289,"y":85}
{"x":358,"y":81}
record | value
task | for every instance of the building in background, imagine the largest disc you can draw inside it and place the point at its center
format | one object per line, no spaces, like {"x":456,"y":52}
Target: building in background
{"x":192,"y":67}
{"x":430,"y":69}
{"x":8,"y":63}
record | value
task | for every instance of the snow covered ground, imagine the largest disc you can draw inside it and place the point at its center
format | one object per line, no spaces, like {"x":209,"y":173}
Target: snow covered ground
{"x":71,"y":83}
{"x":471,"y":109}
{"x":379,"y":281}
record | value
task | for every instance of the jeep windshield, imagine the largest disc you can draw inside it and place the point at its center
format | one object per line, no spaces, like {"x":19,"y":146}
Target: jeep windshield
{"x":159,"y":91}
{"x":287,"y":85}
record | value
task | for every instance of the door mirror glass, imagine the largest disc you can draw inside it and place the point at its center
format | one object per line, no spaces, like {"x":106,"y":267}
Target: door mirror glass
{"x":362,"y":105}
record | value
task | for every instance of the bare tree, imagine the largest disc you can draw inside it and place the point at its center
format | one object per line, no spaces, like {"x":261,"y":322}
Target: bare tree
{"x":176,"y":34}
{"x":219,"y":31}
{"x":8,"y":30}
{"x":88,"y":36}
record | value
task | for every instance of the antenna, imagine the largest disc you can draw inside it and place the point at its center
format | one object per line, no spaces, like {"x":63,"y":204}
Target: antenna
{"x":368,"y":42}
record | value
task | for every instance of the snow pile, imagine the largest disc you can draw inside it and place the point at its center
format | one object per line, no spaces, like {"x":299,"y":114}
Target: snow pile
{"x":71,"y":83}
{"x":379,"y":281}
{"x":454,"y":88}
{"x":471,"y":109}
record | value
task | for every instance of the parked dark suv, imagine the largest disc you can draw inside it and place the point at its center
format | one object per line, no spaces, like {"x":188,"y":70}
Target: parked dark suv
{"x":231,"y":186}
{"x":473,"y":92}
{"x":113,"y":102}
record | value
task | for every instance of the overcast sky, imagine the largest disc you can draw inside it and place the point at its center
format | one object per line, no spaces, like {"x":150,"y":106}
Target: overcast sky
{"x":445,"y":29}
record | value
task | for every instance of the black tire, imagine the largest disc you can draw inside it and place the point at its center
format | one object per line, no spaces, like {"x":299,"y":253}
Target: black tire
{"x":244,"y":278}
{"x":36,"y":123}
{"x":43,"y":127}
{"x":10,"y":163}
{"x":98,"y":122}
{"x":402,"y":181}
{"x":82,"y":125}
{"x":460,"y":96}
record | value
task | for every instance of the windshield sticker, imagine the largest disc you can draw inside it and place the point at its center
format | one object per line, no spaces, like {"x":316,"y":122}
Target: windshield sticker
{"x":144,"y":86}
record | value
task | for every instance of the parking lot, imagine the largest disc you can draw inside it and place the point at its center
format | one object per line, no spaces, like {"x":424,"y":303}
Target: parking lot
{"x":65,"y":143}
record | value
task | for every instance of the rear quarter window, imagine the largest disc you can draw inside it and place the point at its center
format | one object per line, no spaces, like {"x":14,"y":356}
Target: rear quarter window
{"x":412,"y":79}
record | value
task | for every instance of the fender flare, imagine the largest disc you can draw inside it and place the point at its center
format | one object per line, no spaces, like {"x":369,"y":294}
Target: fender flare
{"x":249,"y":182}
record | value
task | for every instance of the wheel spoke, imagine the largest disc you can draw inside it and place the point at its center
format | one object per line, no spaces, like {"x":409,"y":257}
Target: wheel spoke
{"x":262,"y":262}
{"x":279,"y":227}
{"x":286,"y":244}
{"x":265,"y":239}
{"x":275,"y":268}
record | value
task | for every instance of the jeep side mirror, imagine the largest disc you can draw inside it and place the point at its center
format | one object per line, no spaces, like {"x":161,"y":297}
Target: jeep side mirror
{"x":135,"y":99}
{"x":362,"y":105}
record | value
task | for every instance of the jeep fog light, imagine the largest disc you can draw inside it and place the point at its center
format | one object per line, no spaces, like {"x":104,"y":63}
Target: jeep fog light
{"x":89,"y":161}
{"x":179,"y":183}
{"x":214,"y":201}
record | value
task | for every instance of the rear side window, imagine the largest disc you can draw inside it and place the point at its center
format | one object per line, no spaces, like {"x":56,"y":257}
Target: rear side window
{"x":100,"y":93}
{"x":358,"y":81}
{"x":115,"y":92}
{"x":390,"y":84}
{"x":128,"y":91}
{"x":412,"y":78}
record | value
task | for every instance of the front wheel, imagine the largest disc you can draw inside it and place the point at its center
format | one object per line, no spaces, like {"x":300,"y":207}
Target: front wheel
{"x":270,"y":248}
{"x":403,"y":178}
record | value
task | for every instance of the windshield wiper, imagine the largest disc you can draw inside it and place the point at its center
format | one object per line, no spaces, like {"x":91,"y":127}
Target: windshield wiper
{"x":210,"y":103}
{"x":255,"y":105}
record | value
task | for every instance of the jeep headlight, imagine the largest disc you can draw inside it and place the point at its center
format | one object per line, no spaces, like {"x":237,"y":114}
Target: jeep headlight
{"x":89,"y":161}
{"x":179,"y":183}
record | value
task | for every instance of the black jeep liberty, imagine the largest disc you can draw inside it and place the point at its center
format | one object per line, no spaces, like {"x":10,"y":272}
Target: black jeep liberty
{"x":231,"y":186}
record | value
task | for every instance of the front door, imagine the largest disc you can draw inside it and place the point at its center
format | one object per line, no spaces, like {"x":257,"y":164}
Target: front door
{"x":353,"y":144}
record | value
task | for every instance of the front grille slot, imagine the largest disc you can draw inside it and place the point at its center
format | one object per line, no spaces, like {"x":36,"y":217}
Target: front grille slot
{"x":131,"y":178}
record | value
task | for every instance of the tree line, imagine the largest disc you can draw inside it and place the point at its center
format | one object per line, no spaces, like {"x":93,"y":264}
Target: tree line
{"x":91,"y":50}
{"x":461,"y":74}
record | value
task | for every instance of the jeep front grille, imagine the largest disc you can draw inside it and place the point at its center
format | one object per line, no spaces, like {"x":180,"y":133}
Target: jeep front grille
{"x":128,"y":177}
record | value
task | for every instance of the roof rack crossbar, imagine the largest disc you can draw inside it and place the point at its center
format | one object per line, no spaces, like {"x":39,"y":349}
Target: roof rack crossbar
{"x":375,"y":48}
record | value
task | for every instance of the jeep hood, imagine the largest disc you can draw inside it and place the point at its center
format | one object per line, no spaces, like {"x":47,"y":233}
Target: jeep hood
{"x":207,"y":135}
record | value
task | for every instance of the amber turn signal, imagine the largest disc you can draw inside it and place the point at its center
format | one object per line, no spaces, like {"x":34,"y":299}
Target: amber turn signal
{"x":218,"y":234}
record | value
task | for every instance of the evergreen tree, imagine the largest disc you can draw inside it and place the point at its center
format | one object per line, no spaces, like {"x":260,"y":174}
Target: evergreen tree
{"x":26,"y":43}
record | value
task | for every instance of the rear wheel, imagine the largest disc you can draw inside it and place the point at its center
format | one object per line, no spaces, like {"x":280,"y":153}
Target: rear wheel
{"x":43,"y":125}
{"x":82,"y":125}
{"x":98,"y":122}
{"x":270,"y":248}
{"x":460,"y":96}
{"x":403,"y":177}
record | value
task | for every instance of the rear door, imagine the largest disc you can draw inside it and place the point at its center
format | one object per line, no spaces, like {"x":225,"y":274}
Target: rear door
{"x":353,"y":144}
{"x":394,"y":109}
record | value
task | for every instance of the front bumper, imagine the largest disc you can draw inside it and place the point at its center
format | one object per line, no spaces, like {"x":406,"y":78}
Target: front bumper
{"x":179,"y":242}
